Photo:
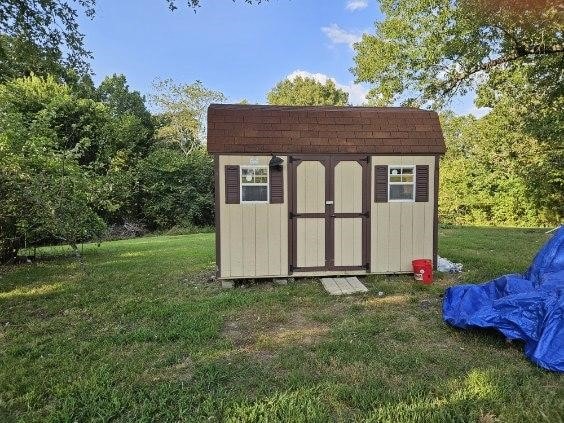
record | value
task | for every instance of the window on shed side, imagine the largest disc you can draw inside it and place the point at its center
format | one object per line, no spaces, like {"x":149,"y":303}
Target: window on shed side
{"x":401,"y":183}
{"x":254,"y":184}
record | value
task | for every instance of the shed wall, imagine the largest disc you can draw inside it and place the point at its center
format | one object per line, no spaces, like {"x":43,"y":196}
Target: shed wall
{"x":253,"y":237}
{"x":401,"y":231}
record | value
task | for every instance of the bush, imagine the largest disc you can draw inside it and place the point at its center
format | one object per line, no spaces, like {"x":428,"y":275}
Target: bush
{"x":176,"y":188}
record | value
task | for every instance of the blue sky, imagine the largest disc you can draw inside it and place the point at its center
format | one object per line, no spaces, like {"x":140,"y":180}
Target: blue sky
{"x":239,"y":49}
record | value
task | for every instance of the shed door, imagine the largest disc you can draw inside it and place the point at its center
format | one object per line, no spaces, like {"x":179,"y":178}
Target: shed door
{"x":348,"y":214}
{"x":310,"y":214}
{"x":329,"y":221}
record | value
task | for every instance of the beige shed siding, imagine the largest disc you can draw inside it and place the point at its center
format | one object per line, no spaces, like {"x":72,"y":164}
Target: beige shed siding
{"x":401,"y":231}
{"x":253,"y":237}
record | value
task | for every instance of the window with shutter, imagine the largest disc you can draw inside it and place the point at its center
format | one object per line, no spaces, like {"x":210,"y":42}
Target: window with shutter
{"x":232,"y":184}
{"x":422,"y":183}
{"x":276,"y":185}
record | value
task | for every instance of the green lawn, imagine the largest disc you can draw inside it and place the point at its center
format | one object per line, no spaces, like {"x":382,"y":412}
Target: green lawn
{"x":140,"y":334}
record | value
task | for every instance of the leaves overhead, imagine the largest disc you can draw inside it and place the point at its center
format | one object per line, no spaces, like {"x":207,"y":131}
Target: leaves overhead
{"x":172,"y":4}
{"x":50,"y":26}
{"x":424,"y":53}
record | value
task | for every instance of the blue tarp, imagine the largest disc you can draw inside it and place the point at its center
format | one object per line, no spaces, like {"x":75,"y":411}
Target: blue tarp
{"x":528,"y":307}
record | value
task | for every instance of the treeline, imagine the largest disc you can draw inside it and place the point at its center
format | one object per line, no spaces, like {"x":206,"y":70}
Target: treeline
{"x":76,"y":160}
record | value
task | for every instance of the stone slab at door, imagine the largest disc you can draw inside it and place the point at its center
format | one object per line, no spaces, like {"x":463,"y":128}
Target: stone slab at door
{"x":329,"y":213}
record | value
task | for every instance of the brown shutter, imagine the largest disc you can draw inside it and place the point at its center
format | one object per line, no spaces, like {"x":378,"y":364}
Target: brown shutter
{"x":232,"y":185}
{"x":381,"y":184}
{"x":422,"y":183}
{"x":276,"y":181}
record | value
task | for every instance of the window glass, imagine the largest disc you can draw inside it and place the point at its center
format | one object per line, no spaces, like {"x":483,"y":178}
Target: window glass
{"x":254,"y":193}
{"x":401,"y":192}
{"x":254,"y":184}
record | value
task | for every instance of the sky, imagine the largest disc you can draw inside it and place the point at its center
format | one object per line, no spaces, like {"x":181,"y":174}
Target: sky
{"x":239,"y":49}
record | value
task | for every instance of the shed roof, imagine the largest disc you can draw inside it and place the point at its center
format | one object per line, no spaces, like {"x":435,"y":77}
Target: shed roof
{"x":240,"y":128}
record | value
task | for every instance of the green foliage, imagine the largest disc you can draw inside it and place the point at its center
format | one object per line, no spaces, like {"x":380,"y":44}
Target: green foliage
{"x":183,"y":108}
{"x":426,"y":52}
{"x":494,"y":173}
{"x":307,"y":92}
{"x":177,"y":188}
{"x":48,"y":30}
{"x":46,"y":195}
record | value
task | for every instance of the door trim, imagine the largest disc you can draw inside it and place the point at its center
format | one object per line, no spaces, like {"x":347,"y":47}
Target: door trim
{"x":329,"y":162}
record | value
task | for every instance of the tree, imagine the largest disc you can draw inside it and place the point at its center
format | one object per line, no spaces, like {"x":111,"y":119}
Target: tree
{"x":184,"y":108}
{"x":424,"y":53}
{"x":307,"y":92}
{"x":49,"y":27}
{"x":177,"y":188}
{"x":46,"y":193}
{"x":134,"y":124}
{"x":495,"y":173}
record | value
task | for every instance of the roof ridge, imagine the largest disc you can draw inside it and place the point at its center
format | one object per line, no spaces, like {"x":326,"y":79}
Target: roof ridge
{"x":320,"y":108}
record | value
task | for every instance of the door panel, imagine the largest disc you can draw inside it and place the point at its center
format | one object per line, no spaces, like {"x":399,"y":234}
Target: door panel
{"x":348,"y":187}
{"x":311,"y":242}
{"x":348,"y":241}
{"x":311,"y":187}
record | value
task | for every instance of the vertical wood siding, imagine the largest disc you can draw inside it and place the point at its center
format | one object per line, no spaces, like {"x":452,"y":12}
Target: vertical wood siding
{"x":401,"y":231}
{"x":253,"y":237}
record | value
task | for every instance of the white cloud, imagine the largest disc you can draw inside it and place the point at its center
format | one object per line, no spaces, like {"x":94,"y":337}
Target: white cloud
{"x":357,"y":93}
{"x":356,"y":5}
{"x":338,"y":35}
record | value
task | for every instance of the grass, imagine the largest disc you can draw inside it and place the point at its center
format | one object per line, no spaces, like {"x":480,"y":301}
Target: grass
{"x":140,"y":334}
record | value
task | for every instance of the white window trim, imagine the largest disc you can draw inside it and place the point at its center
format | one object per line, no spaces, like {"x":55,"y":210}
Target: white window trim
{"x":412,"y":200}
{"x":242,"y":184}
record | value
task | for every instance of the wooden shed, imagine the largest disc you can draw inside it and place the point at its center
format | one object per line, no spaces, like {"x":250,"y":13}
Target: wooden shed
{"x":312,"y":191}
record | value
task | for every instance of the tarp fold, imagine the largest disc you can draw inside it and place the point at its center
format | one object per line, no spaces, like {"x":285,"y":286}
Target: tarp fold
{"x":527,"y":307}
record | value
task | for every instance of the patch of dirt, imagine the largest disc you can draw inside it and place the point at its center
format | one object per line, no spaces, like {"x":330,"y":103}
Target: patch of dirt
{"x":204,"y":277}
{"x":262,"y":334}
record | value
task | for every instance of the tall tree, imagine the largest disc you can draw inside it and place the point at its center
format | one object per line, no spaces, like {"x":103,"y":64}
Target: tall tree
{"x":184,"y":108}
{"x":307,"y":92}
{"x":49,"y":27}
{"x":426,"y":52}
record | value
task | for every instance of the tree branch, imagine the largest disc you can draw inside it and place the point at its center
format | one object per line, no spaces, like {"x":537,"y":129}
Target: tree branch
{"x":520,"y":52}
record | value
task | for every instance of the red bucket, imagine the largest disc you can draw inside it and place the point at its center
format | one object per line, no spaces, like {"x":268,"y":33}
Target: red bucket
{"x":423,"y":270}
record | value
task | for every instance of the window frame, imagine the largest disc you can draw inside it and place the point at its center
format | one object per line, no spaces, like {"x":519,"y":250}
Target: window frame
{"x":254,"y":184}
{"x":412,"y":183}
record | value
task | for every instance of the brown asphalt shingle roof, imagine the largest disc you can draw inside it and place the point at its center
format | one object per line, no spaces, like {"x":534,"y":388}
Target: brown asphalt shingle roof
{"x":239,"y":128}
